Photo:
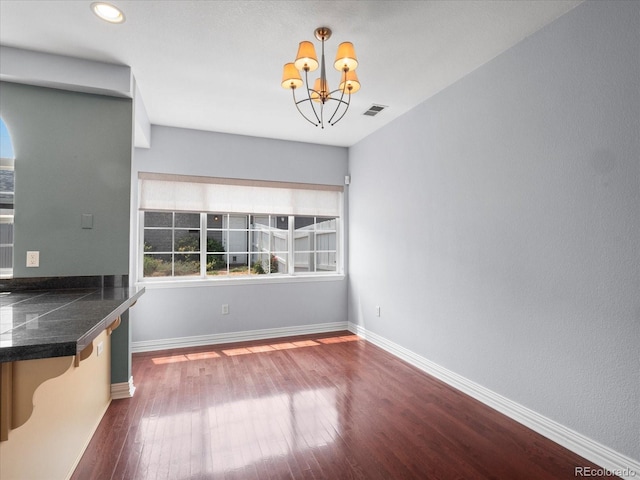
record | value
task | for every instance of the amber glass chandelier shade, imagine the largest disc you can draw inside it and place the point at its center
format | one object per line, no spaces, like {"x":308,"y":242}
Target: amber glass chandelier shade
{"x":306,"y":57}
{"x":351,"y":84}
{"x":291,"y":76}
{"x":346,"y":57}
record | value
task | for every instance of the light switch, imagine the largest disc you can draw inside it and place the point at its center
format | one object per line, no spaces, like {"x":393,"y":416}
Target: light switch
{"x":87,"y":220}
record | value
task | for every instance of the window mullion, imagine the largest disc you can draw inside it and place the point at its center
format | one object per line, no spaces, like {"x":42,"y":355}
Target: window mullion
{"x":173,"y":244}
{"x":226,"y":235}
{"x":314,"y":244}
{"x":269,"y":248}
{"x":338,"y":253}
{"x":250,"y":226}
{"x":290,"y":263}
{"x":140,"y":245}
{"x":203,"y":245}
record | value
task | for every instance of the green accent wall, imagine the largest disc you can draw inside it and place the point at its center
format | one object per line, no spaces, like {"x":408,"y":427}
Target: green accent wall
{"x":73,"y":157}
{"x":120,"y":356}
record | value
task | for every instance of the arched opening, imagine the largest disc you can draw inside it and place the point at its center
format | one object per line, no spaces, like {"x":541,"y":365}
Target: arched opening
{"x":7,"y":203}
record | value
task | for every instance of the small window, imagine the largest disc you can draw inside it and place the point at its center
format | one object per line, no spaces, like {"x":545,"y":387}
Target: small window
{"x":171,"y":244}
{"x":7,"y":203}
{"x":315,"y":244}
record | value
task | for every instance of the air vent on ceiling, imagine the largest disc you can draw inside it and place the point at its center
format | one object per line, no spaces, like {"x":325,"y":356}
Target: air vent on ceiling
{"x":374,"y":110}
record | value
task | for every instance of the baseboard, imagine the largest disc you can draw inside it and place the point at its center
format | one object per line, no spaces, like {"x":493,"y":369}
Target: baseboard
{"x":608,"y":459}
{"x":87,"y":442}
{"x":203,"y":340}
{"x":122,"y":390}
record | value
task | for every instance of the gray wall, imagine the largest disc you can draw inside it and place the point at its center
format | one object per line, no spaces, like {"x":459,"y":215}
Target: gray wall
{"x":73,"y":156}
{"x":187,"y":311}
{"x":513,"y":197}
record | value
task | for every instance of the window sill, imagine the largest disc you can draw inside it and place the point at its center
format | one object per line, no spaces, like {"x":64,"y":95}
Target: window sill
{"x":258,"y":280}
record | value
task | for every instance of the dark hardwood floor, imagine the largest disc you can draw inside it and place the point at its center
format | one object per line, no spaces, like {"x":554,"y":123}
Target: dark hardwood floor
{"x":329,"y":406}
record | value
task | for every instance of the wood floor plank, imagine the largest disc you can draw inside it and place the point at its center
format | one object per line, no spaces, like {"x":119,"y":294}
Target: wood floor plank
{"x":328,"y":406}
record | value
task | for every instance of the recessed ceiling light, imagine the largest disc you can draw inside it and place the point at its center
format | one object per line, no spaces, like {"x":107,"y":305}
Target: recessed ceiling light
{"x":107,"y":12}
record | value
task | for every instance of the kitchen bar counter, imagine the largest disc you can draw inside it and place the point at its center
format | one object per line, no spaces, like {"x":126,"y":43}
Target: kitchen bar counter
{"x":56,"y":368}
{"x":58,"y":322}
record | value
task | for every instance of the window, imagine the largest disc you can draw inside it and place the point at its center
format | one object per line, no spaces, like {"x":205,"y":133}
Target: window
{"x":267,"y":229}
{"x":315,"y":242}
{"x":171,"y":244}
{"x":7,"y":191}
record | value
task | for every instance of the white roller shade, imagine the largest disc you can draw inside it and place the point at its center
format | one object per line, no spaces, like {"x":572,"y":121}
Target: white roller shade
{"x":208,"y":194}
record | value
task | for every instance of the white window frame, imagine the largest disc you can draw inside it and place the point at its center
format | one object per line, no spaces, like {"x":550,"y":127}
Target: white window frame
{"x":8,"y":218}
{"x":291,"y":275}
{"x":252,"y":278}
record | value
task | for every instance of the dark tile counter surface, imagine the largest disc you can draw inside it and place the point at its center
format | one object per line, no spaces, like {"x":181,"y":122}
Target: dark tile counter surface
{"x":58,"y":322}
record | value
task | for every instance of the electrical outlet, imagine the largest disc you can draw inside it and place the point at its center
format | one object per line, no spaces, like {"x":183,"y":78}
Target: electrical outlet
{"x":377,"y":311}
{"x":100,"y":349}
{"x":225,"y":309}
{"x":33,"y":259}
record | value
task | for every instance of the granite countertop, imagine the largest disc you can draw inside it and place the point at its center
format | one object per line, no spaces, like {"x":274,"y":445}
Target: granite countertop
{"x":58,"y":322}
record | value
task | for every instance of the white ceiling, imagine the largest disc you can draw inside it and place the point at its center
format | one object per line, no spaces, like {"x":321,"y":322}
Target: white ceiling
{"x":217,"y":65}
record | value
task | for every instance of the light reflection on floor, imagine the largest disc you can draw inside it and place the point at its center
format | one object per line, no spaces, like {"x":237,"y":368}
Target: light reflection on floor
{"x":245,"y":432}
{"x":240,"y":433}
{"x":230,"y":352}
{"x":304,"y":419}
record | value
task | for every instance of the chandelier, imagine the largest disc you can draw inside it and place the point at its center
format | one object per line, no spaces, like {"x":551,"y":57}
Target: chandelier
{"x":320,"y":95}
